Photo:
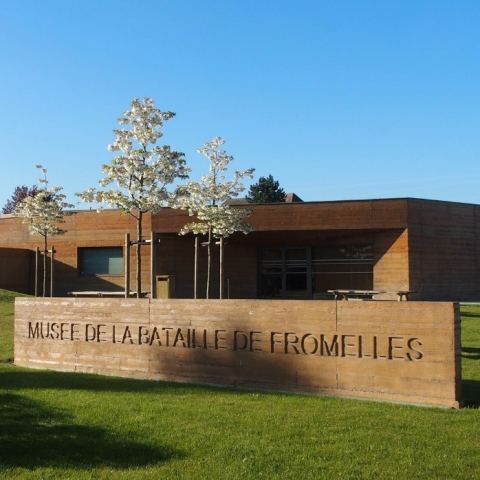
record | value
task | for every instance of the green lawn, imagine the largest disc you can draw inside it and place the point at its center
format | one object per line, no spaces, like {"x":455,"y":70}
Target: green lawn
{"x":7,"y":299}
{"x":57,"y":425}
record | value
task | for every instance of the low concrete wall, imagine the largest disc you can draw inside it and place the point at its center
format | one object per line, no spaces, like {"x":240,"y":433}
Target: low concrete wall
{"x":394,"y":351}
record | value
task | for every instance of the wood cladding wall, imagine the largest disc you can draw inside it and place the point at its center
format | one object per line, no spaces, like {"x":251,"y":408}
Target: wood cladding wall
{"x":391,"y":267}
{"x":361,"y":214}
{"x":444,"y":250}
{"x":427,"y":246}
{"x":176,"y":255}
{"x":84,"y":229}
{"x":15,"y":269}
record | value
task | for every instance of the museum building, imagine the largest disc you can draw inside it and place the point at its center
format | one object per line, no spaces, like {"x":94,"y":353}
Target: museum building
{"x":297,"y":250}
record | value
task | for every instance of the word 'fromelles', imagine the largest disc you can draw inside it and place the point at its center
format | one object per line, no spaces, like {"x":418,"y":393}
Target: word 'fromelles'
{"x":370,"y":346}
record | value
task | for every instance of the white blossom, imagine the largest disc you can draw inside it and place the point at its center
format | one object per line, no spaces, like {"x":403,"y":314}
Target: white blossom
{"x":45,"y":210}
{"x":142,"y":171}
{"x":207,"y":199}
{"x":142,"y":174}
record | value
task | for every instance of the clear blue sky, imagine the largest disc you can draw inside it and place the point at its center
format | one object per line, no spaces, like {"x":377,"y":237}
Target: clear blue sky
{"x":336,"y":99}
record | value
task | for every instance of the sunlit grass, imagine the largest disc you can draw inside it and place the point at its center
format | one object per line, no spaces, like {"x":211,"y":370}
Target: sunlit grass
{"x":7,"y":299}
{"x":66,"y":425}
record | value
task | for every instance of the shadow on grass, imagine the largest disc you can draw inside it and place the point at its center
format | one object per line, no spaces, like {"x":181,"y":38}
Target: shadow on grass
{"x":33,"y":435}
{"x":471,"y":393}
{"x":19,"y":378}
{"x":470,"y":314}
{"x":471,"y":353}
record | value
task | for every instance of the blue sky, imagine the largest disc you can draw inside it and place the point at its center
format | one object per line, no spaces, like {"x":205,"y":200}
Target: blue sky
{"x":336,"y":99}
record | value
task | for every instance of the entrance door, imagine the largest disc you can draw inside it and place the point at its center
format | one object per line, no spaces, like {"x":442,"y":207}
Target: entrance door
{"x":284,"y":273}
{"x":296,"y":285}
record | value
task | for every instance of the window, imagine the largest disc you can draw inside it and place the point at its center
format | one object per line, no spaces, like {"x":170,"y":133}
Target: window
{"x":284,"y":273}
{"x":347,"y":266}
{"x":309,"y":272}
{"x":296,"y":273}
{"x":100,"y":261}
{"x":271,"y":282}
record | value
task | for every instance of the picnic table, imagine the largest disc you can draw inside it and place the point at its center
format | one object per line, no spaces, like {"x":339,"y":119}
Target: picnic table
{"x":343,"y":294}
{"x":95,"y":293}
{"x":404,"y":294}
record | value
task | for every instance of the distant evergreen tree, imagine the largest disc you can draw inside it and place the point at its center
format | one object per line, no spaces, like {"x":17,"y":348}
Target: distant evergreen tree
{"x":266,"y":190}
{"x":19,"y":194}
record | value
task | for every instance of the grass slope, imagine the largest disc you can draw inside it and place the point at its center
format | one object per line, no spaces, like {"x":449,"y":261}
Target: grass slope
{"x":7,"y":299}
{"x":62,"y":425}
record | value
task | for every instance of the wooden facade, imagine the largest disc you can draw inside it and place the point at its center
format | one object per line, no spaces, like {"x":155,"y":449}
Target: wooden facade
{"x":15,"y":269}
{"x":430,"y":247}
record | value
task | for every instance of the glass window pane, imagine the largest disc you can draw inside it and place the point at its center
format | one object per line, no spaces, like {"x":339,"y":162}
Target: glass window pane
{"x":341,"y":266}
{"x":346,"y":267}
{"x":357,"y":252}
{"x":271,"y":285}
{"x":271,"y":273}
{"x":296,"y":285}
{"x":296,"y":260}
{"x":101,"y":261}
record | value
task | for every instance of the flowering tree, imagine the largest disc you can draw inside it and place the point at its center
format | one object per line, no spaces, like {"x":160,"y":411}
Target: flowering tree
{"x":207,"y":201}
{"x":141,"y":171}
{"x":43,"y":211}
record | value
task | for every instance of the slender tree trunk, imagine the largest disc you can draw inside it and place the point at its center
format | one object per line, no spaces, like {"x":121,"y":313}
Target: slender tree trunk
{"x":221,"y":267}
{"x":195,"y":270}
{"x":45,"y":243}
{"x":209,"y":261}
{"x":52,"y":259}
{"x":153,"y":263}
{"x":37,"y":263}
{"x":139,"y":258}
{"x":127,"y":265}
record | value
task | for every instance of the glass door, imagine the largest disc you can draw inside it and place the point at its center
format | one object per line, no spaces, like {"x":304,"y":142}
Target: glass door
{"x":271,"y":281}
{"x":296,"y":285}
{"x":284,"y":273}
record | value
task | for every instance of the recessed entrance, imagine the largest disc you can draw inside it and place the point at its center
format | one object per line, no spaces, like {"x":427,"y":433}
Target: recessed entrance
{"x":309,"y":272}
